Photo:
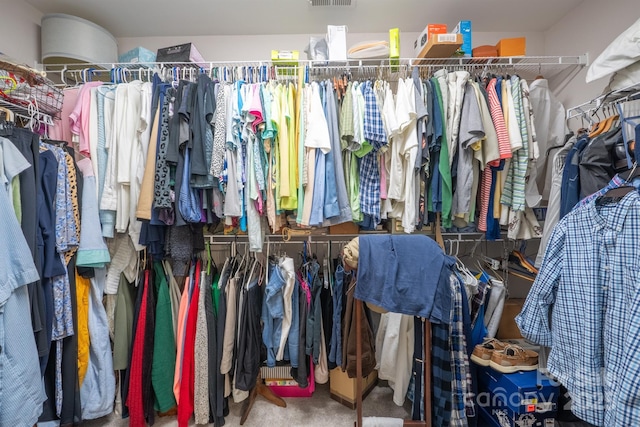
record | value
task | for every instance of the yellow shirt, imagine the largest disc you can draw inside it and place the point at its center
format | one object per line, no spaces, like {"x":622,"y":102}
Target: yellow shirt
{"x":83,"y":288}
{"x":290,"y":200}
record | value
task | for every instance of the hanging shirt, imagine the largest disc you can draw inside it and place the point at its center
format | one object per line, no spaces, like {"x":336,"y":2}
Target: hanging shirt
{"x":201,"y":113}
{"x":434,"y":192}
{"x":388,"y":113}
{"x":21,"y":386}
{"x":471,"y":132}
{"x":302,"y":130}
{"x":164,"y":354}
{"x":293,"y":149}
{"x":443,"y":165}
{"x":411,"y":148}
{"x":219,"y":135}
{"x":564,"y":310}
{"x":288,"y":192}
{"x":514,"y":190}
{"x":347,"y":128}
{"x":330,"y":208}
{"x":99,"y":386}
{"x":551,"y":128}
{"x":79,"y":116}
{"x":317,"y":137}
{"x":487,"y":151}
{"x":456,"y":86}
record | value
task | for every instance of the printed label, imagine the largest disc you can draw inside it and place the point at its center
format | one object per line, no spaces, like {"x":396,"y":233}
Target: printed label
{"x":447,"y":38}
{"x":526,"y":420}
{"x":545,"y":407}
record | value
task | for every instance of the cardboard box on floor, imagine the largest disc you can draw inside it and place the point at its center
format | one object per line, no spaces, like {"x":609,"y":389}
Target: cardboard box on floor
{"x":343,"y":389}
{"x":508,"y":328}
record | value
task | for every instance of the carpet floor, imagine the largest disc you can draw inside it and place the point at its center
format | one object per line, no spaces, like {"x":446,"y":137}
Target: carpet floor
{"x":317,"y":411}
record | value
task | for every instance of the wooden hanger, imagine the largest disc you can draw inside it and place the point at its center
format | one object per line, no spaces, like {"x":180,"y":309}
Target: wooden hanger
{"x":604,"y":125}
{"x":8,"y":114}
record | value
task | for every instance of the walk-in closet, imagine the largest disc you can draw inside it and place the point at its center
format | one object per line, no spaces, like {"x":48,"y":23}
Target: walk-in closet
{"x":319,"y":213}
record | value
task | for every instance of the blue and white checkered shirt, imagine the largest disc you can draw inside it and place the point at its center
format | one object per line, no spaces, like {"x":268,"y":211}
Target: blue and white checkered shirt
{"x":375,"y":134}
{"x":585,"y":305}
{"x":373,"y":126}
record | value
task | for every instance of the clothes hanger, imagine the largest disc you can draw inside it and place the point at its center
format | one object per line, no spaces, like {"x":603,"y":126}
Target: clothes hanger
{"x":539,"y":76}
{"x":6,"y":114}
{"x":618,"y":193}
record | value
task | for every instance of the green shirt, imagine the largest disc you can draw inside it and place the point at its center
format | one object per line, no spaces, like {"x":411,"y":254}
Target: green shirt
{"x":164,"y":344}
{"x":443,"y":167}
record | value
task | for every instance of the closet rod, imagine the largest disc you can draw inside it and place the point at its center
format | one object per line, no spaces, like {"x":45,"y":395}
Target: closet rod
{"x":281,"y":242}
{"x":587,"y":109}
{"x":277,"y":238}
{"x":534,"y":65}
{"x":502,"y":60}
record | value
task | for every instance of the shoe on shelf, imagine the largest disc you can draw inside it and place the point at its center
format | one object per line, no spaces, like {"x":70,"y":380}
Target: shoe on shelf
{"x":514,"y":358}
{"x":482,"y":352}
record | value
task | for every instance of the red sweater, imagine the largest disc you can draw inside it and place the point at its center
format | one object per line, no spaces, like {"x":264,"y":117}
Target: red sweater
{"x":134,"y":398}
{"x":187,"y":385}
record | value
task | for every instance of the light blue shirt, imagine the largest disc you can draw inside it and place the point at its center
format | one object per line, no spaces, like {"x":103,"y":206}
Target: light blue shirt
{"x":99,"y":385}
{"x":21,"y":389}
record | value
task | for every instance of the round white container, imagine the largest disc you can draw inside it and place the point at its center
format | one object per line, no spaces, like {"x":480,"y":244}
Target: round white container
{"x":70,"y":39}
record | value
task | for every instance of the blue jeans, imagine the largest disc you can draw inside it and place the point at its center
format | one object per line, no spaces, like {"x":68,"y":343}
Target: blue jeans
{"x":335,"y":353}
{"x":272,"y":313}
{"x":293,"y":340}
{"x":570,"y":190}
{"x":314,"y":319}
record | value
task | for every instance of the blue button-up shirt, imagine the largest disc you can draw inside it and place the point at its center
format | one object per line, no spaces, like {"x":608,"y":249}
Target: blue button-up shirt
{"x":585,"y":305}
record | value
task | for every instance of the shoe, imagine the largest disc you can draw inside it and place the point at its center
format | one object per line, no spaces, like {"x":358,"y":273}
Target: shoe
{"x":513,"y":359}
{"x":482,"y":352}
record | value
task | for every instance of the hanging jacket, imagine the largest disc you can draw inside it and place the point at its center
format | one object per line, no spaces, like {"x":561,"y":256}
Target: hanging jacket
{"x":349,"y":338}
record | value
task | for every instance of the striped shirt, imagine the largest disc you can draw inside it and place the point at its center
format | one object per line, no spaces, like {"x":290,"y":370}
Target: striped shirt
{"x":504,"y":147}
{"x":514,"y":188}
{"x":495,"y":108}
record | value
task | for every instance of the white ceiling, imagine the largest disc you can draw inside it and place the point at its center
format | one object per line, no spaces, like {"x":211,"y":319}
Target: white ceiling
{"x":145,"y":18}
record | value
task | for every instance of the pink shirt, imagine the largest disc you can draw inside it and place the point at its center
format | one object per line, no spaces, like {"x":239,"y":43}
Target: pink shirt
{"x":61,"y":130}
{"x":182,"y":317}
{"x":79,"y":116}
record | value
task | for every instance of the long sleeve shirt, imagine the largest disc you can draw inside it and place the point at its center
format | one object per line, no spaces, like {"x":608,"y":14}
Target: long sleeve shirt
{"x":585,"y":305}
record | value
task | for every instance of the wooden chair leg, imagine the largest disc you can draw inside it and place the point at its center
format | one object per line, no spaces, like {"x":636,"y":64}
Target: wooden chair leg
{"x":264,"y":391}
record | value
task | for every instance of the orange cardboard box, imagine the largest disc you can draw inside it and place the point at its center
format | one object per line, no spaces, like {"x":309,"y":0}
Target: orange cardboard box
{"x":512,"y":47}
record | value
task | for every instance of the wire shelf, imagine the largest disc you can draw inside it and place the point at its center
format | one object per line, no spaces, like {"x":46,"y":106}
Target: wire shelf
{"x":528,"y":67}
{"x":28,"y":93}
{"x":588,"y":109}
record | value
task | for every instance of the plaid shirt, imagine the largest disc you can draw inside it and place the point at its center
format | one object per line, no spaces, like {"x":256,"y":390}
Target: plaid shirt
{"x":373,"y":126}
{"x":461,"y":377}
{"x":375,"y":134}
{"x":585,"y":305}
{"x":370,"y":186}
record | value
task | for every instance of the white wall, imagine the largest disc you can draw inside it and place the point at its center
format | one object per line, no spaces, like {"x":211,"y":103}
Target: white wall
{"x":20,"y":31}
{"x":250,"y":48}
{"x":589,"y":28}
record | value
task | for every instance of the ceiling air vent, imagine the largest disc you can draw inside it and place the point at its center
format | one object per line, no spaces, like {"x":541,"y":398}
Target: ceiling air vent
{"x":335,"y":3}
